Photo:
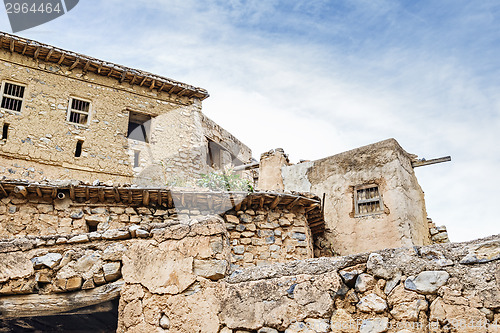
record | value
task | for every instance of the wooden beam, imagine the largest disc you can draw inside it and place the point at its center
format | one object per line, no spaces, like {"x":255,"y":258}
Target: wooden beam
{"x":293,"y":203}
{"x":37,"y":52}
{"x":87,"y":65}
{"x":171,"y":89}
{"x":99,"y":68}
{"x":100,"y":193}
{"x":12,"y":46}
{"x":39,"y":191}
{"x":275,"y":202}
{"x":61,"y":59}
{"x":117,"y":194}
{"x":124,"y":74}
{"x":74,"y":64}
{"x":36,"y":305}
{"x":110,"y":71}
{"x":152,"y":85}
{"x":145,"y":198}
{"x":72,"y":192}
{"x":54,"y":193}
{"x":25,"y":48}
{"x":170,"y":200}
{"x":159,"y":197}
{"x":261,"y":204}
{"x":143,"y":80}
{"x":312,"y":207}
{"x":130,"y":196}
{"x":183,"y":203}
{"x":3,"y":191}
{"x":162,"y":86}
{"x":49,"y":54}
{"x":181,"y":92}
{"x":133,"y":79}
{"x":237,"y":207}
{"x":424,"y":162}
{"x":87,"y":193}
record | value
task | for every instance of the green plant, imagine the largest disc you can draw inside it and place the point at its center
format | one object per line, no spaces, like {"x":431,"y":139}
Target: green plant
{"x":224,"y":181}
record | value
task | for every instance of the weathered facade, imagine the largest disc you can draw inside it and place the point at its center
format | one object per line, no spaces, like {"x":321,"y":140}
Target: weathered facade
{"x":69,"y":116}
{"x":371,"y":197}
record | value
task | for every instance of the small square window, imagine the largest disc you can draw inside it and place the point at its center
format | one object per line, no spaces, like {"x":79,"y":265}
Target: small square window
{"x":367,"y":200}
{"x":139,"y":126}
{"x":78,"y":112}
{"x":12,"y":97}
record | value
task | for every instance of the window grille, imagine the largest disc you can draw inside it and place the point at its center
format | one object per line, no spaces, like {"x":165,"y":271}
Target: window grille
{"x":78,"y":112}
{"x":12,"y":97}
{"x":367,"y":200}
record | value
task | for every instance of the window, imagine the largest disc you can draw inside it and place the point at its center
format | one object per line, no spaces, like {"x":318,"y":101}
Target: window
{"x":5,"y":131}
{"x":137,"y":155}
{"x":12,"y":96}
{"x":78,"y":150}
{"x":78,"y":112}
{"x":367,"y":200}
{"x":214,"y":156}
{"x":139,"y":126}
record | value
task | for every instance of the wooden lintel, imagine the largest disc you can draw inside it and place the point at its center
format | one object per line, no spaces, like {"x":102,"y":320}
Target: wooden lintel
{"x":54,"y":193}
{"x":424,"y":162}
{"x":145,"y":198}
{"x":261,"y":204}
{"x":61,"y":59}
{"x":124,"y":75}
{"x":49,"y":54}
{"x":275,"y":202}
{"x":87,"y":65}
{"x":101,"y":194}
{"x":87,"y":193}
{"x":37,"y":52}
{"x":117,"y":194}
{"x":153,"y":83}
{"x":35,"y":305}
{"x":130,"y":197}
{"x":74,"y":64}
{"x":12,"y":46}
{"x":72,"y":192}
{"x":39,"y":191}
{"x":170,"y":201}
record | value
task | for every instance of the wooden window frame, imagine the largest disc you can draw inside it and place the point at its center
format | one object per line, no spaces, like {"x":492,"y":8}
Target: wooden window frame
{"x":2,"y":95}
{"x":71,"y":110}
{"x":358,"y":202}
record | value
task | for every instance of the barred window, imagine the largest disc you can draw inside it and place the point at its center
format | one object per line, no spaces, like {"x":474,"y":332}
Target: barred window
{"x":78,"y":112}
{"x":367,"y":200}
{"x":12,"y":96}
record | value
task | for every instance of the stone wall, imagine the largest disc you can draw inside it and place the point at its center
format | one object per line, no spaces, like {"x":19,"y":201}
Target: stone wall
{"x":439,"y":288}
{"x":401,"y":222}
{"x":264,"y":236}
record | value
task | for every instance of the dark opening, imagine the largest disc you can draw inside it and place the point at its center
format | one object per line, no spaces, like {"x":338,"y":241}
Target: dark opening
{"x":5,"y":131}
{"x":78,"y":150}
{"x":214,"y":155}
{"x":92,"y":227}
{"x":139,"y":126}
{"x":137,"y":154}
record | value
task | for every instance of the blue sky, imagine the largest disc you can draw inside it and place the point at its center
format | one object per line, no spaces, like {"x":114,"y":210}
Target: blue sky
{"x":320,"y":77}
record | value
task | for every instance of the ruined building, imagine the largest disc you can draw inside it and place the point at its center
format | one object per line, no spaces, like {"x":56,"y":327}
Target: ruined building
{"x":100,"y":232}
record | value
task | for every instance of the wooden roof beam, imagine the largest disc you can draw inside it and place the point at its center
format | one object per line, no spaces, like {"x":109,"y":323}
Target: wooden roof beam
{"x":49,"y":54}
{"x":180,"y":93}
{"x":145,"y":198}
{"x":124,"y":75}
{"x":162,"y":86}
{"x":61,"y":58}
{"x":74,"y":64}
{"x":153,"y":83}
{"x":143,"y":80}
{"x":12,"y":46}
{"x":133,"y":79}
{"x":275,"y":202}
{"x":172,"y":89}
{"x":87,"y":65}
{"x":24,"y":48}
{"x":424,"y":162}
{"x":99,"y":68}
{"x":37,"y":52}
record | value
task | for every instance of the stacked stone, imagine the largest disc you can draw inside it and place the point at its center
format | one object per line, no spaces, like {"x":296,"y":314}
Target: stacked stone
{"x":260,"y":237}
{"x":40,"y":216}
{"x":439,"y":234}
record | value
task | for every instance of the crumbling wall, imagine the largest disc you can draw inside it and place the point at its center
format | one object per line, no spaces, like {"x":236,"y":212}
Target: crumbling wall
{"x":439,"y":288}
{"x":403,"y":220}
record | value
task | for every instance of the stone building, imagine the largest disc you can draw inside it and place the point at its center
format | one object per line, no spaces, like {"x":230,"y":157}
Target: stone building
{"x":371,"y":197}
{"x":68,"y":116}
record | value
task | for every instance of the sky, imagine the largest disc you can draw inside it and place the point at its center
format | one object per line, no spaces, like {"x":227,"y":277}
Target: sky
{"x":319,"y":77}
